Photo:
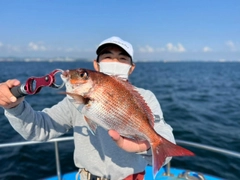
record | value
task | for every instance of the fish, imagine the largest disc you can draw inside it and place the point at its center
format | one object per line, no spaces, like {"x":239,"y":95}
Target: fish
{"x":115,"y":104}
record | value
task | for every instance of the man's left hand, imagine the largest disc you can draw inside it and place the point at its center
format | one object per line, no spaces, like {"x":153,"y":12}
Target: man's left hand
{"x":127,"y":144}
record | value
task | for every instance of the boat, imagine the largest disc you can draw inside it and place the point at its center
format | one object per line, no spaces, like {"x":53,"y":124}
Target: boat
{"x":166,"y":173}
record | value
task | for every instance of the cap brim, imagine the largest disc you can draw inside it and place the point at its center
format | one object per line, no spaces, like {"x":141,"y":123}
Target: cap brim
{"x":100,"y":48}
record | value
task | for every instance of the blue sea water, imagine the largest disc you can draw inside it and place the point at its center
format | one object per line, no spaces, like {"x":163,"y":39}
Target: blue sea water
{"x":200,"y":100}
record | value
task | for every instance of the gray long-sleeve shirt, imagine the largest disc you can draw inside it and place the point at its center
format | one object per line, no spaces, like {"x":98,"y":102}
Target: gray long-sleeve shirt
{"x":97,"y":153}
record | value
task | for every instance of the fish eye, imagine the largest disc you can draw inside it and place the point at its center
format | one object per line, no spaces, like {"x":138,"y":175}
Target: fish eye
{"x":84,"y":75}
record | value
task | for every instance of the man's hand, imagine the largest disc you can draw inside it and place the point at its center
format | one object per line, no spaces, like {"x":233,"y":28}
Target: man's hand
{"x":127,"y":144}
{"x":7,"y":100}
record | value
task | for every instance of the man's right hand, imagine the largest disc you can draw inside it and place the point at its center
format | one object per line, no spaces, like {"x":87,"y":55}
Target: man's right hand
{"x":7,"y":99}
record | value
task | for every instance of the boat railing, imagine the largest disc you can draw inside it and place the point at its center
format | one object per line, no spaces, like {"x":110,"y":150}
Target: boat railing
{"x":57,"y":140}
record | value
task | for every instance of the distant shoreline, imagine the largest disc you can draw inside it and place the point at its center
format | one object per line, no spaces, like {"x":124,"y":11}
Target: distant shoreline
{"x":140,"y":61}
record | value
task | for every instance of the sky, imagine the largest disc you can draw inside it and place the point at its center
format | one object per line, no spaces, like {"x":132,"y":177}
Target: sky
{"x":157,"y":29}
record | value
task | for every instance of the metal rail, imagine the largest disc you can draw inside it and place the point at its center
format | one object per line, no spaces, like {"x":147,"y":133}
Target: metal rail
{"x":56,"y":140}
{"x":35,"y":142}
{"x":209,"y":148}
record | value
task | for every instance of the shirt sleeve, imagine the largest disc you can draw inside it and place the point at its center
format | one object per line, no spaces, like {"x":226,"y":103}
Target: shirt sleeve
{"x":160,"y":126}
{"x":40,"y":125}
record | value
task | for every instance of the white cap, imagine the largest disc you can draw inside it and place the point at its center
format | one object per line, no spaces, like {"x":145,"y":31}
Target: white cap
{"x":117,"y":41}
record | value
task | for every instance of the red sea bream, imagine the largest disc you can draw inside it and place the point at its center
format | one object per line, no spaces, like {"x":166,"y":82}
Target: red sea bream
{"x":115,"y":104}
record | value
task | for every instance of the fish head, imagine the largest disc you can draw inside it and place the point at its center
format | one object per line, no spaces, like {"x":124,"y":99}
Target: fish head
{"x":78,"y":81}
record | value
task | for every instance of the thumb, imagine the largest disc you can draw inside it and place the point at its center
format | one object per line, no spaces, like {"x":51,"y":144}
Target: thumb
{"x":119,"y":140}
{"x":114,"y":135}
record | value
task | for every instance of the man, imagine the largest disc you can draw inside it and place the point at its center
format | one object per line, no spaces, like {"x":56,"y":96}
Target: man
{"x":105,"y":155}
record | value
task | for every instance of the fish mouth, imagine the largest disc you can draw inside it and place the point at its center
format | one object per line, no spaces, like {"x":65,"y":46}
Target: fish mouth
{"x":66,"y":77}
{"x":65,"y":74}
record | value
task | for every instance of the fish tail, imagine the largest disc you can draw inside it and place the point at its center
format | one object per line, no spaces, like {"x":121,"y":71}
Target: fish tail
{"x":164,"y":149}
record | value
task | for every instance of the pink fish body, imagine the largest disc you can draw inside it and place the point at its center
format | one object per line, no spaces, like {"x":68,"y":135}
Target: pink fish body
{"x":115,"y":104}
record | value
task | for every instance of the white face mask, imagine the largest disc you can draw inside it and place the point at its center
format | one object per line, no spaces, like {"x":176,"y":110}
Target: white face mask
{"x":115,"y":68}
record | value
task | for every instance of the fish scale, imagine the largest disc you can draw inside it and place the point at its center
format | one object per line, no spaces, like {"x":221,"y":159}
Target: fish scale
{"x":119,"y":115}
{"x":107,"y":116}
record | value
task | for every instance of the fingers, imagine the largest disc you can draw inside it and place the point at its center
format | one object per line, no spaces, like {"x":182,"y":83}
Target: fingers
{"x":7,"y":100}
{"x":114,"y":135}
{"x":127,"y":144}
{"x":12,"y":82}
{"x":117,"y":138}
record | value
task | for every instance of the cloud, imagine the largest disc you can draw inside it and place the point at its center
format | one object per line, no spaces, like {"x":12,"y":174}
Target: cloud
{"x":36,"y":47}
{"x":146,"y":49}
{"x":207,"y":49}
{"x":168,"y":48}
{"x":1,"y":44}
{"x":178,"y":48}
{"x":231,"y":45}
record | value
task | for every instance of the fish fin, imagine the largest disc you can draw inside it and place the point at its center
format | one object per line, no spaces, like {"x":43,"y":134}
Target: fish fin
{"x":78,"y":98}
{"x":166,"y":149}
{"x":144,"y":106}
{"x":92,"y":125}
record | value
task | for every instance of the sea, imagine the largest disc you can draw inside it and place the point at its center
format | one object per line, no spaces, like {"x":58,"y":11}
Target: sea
{"x":200,"y":100}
